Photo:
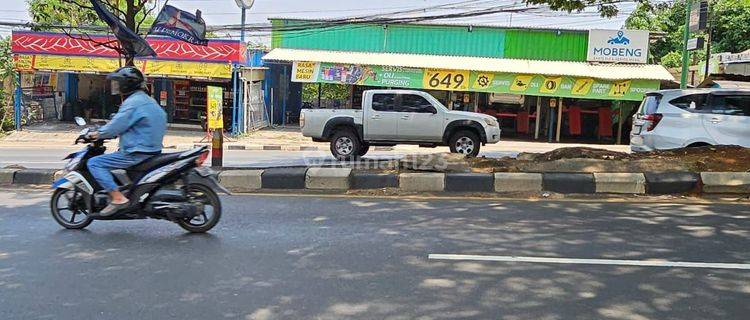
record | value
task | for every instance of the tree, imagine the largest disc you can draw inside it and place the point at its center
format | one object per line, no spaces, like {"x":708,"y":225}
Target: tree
{"x":607,"y":8}
{"x":6,"y":75}
{"x":329,"y":91}
{"x":47,"y":13}
{"x":730,"y":23}
{"x":728,"y":19}
{"x":76,"y":17}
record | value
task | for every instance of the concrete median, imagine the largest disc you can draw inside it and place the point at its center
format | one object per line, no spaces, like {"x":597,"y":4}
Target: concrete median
{"x":506,"y":182}
{"x":328,"y":178}
{"x":726,"y":182}
{"x":427,"y":182}
{"x":629,"y":183}
{"x":34,"y":176}
{"x":241,"y":180}
{"x":6,"y":176}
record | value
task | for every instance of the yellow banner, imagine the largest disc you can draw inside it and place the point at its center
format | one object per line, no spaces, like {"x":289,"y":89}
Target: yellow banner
{"x":215,"y":107}
{"x":23,"y":62}
{"x":188,"y":69}
{"x":85,"y":64}
{"x":106,"y":65}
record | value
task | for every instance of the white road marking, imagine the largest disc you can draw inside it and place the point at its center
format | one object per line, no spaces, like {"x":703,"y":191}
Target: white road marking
{"x":638,"y":263}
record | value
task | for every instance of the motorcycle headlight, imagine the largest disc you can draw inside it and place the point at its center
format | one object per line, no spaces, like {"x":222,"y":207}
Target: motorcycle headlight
{"x":491,"y":122}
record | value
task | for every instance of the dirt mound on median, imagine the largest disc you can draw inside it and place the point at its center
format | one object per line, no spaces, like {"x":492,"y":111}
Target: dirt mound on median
{"x":708,"y":159}
{"x":575,"y":153}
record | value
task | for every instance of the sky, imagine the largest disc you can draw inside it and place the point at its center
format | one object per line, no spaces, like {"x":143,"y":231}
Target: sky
{"x":222,"y":12}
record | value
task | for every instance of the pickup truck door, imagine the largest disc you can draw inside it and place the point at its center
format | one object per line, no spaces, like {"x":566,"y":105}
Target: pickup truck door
{"x":418,"y":119}
{"x":381,"y":120}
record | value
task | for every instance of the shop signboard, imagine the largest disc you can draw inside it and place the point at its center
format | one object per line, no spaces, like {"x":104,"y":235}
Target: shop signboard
{"x":106,"y":65}
{"x":629,"y":46}
{"x":187,"y":69}
{"x":215,"y":108}
{"x":83,"y":64}
{"x":305,"y":71}
{"x":490,"y":82}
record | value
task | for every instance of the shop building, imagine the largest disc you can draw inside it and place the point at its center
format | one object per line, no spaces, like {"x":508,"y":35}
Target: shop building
{"x":549,"y":84}
{"x":74,"y":68}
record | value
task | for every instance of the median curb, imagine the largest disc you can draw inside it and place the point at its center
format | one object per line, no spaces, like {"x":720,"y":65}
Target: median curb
{"x":328,"y":178}
{"x":34,"y":176}
{"x":346,"y":179}
{"x":6,"y":176}
{"x":628,"y":183}
{"x":726,"y":182}
{"x":241,"y":180}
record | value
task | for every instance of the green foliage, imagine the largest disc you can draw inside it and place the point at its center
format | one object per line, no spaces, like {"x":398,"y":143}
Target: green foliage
{"x":729,"y":20}
{"x":329,"y":91}
{"x":59,"y":12}
{"x":672,"y":59}
{"x":73,"y":13}
{"x":607,"y":8}
{"x":8,"y":76}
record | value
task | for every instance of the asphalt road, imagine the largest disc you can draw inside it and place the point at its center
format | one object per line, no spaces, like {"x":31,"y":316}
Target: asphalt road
{"x":51,"y":158}
{"x":312,"y":257}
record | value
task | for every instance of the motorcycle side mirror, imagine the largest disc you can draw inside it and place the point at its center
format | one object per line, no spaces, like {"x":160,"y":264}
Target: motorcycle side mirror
{"x":80,"y":121}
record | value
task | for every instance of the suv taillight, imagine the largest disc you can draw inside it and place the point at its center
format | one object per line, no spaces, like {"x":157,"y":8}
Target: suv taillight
{"x":654,"y":118}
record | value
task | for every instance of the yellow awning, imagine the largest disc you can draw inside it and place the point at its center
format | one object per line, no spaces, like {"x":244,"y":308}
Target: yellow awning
{"x":519,"y":66}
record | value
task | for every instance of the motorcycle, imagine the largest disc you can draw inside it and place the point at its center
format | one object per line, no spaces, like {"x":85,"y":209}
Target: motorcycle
{"x":170,"y":186}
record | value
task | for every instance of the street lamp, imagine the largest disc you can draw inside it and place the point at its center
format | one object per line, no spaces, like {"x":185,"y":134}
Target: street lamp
{"x":244,"y":4}
{"x":237,"y":112}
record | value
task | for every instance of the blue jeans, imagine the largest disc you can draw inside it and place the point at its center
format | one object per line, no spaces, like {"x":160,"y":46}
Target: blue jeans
{"x":101,"y":166}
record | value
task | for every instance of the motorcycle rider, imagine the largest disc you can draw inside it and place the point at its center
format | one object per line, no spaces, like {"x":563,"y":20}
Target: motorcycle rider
{"x":140,"y":123}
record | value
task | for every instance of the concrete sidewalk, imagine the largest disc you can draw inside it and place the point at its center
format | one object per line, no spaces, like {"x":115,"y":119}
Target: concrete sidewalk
{"x":277,"y":139}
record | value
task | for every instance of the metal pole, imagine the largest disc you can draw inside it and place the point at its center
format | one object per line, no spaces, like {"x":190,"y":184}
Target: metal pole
{"x":320,"y":92}
{"x":551,"y":123}
{"x":619,"y":122}
{"x":538,"y":117}
{"x":17,"y":103}
{"x":235,"y":102}
{"x":242,"y":30}
{"x":685,"y":38}
{"x":559,"y":119}
{"x":708,"y":50}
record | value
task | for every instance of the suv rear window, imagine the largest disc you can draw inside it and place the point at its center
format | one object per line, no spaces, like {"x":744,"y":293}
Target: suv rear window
{"x":692,"y":102}
{"x":649,"y":104}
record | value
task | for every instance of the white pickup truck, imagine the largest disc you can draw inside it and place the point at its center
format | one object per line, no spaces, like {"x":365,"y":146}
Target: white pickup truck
{"x":391,"y":117}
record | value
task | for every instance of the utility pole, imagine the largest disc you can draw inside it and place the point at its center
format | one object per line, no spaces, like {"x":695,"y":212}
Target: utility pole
{"x":685,"y":38}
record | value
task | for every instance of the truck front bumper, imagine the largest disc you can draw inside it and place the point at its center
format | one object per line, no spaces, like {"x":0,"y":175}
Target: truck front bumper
{"x":493,"y":134}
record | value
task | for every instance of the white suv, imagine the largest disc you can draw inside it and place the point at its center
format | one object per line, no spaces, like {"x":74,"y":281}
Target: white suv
{"x":670,"y":119}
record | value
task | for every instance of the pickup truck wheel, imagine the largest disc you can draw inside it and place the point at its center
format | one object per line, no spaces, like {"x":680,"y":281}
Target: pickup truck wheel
{"x":465,"y":142}
{"x":345,"y":145}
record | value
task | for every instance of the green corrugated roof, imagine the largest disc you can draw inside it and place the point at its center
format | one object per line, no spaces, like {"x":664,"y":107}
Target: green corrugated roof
{"x":494,"y":42}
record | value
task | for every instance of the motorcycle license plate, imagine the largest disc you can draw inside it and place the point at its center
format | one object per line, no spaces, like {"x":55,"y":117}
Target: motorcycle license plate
{"x":637,"y":129}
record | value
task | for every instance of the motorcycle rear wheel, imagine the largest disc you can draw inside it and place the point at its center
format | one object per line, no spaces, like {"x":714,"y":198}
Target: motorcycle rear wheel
{"x":205,"y":221}
{"x":75,"y":208}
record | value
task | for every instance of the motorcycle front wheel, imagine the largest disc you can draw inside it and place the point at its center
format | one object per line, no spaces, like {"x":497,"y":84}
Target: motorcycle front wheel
{"x":69,"y":209}
{"x":211,"y":213}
